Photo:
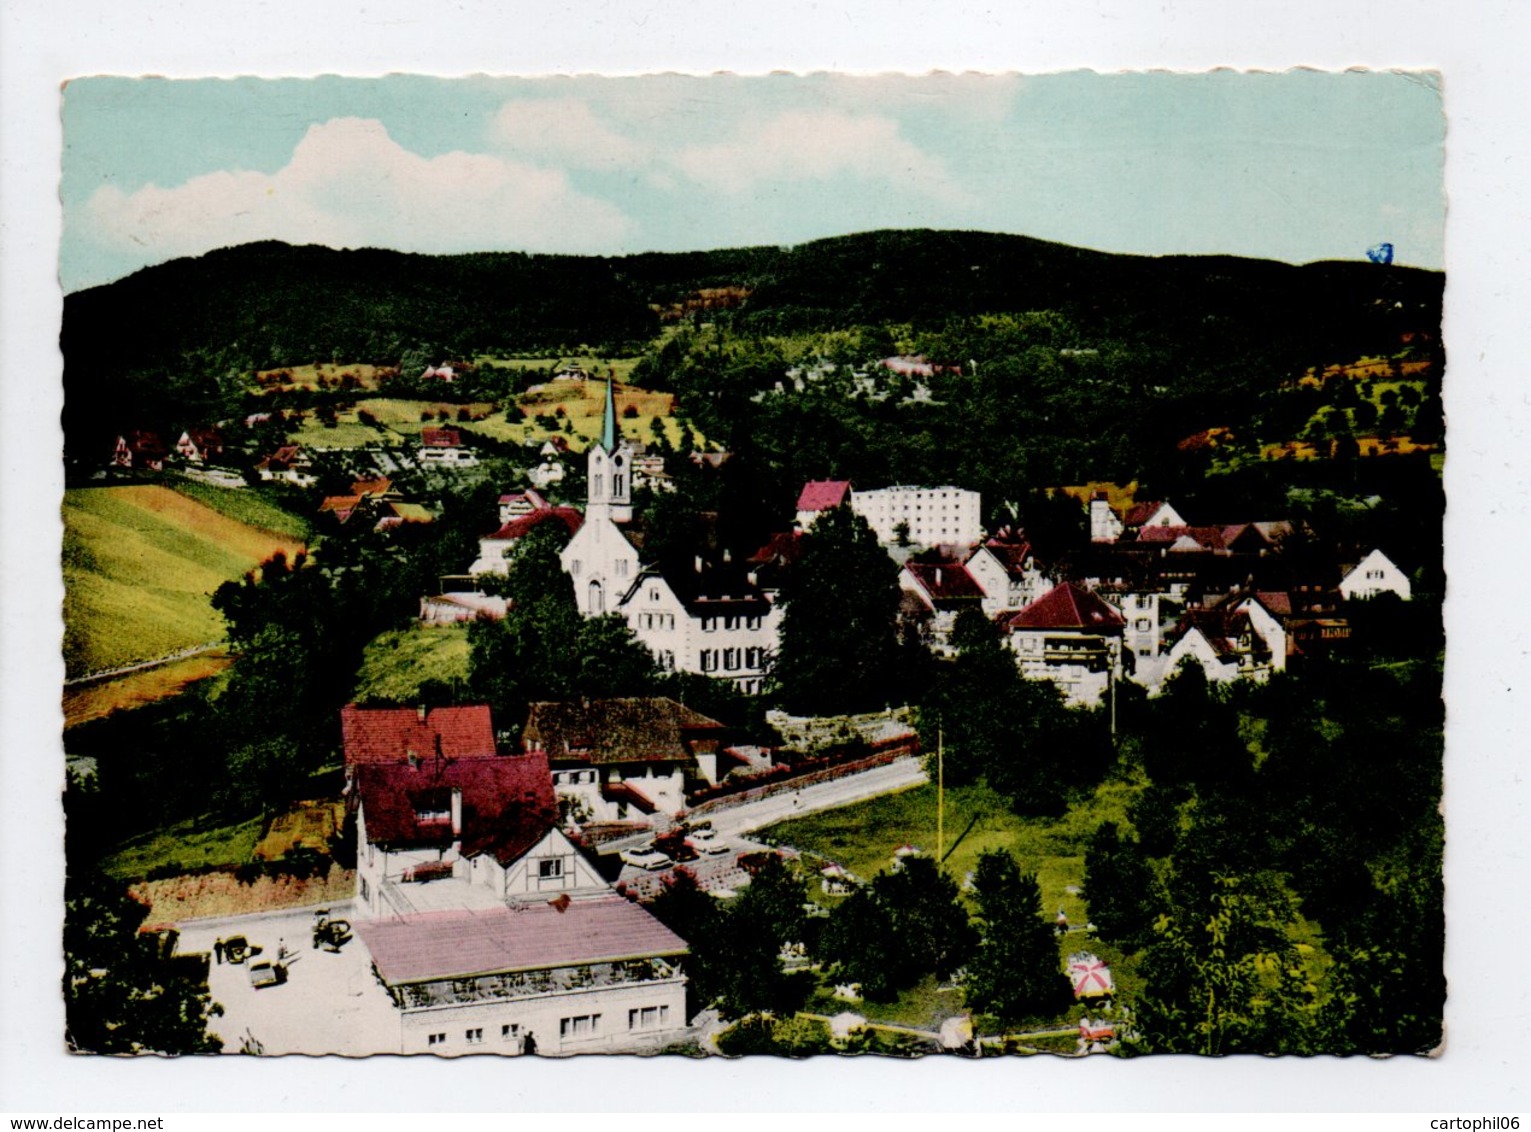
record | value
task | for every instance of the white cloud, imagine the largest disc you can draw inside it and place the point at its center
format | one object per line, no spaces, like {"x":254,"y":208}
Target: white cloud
{"x":564,"y":130}
{"x":819,"y":145}
{"x":349,"y":184}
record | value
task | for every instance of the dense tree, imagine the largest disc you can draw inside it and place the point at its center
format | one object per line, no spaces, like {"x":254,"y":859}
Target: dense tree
{"x":1119,"y":886}
{"x":905,"y":925}
{"x":122,"y":992}
{"x":1015,"y":972}
{"x":839,"y":642}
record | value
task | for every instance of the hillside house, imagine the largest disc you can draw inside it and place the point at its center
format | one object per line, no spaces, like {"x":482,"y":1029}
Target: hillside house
{"x":1070,"y":637}
{"x":1108,"y":523}
{"x":1375,"y":574}
{"x":1007,"y":572}
{"x":443,"y":448}
{"x":1237,"y":640}
{"x":140,"y":450}
{"x":288,"y":464}
{"x":941,"y":591}
{"x":624,"y":759}
{"x":454,"y":607}
{"x":199,"y":445}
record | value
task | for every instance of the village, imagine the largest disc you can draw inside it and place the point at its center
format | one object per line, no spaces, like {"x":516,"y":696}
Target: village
{"x":511,"y":875}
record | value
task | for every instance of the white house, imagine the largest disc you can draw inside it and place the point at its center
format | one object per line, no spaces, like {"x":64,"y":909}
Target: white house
{"x":289,"y":464}
{"x":707,"y":617}
{"x":1375,"y":574}
{"x":1108,"y":525}
{"x":926,"y":516}
{"x":1008,"y":573}
{"x":1238,"y":640}
{"x":443,"y":448}
{"x":1070,"y":637}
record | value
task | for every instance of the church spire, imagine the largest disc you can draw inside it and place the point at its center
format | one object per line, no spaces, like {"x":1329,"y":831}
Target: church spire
{"x":609,"y":426}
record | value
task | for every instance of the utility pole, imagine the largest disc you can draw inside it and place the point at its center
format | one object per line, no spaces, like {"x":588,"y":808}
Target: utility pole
{"x":940,"y":796}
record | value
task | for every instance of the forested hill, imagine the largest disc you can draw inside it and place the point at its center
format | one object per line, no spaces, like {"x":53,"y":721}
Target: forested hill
{"x":172,"y":332}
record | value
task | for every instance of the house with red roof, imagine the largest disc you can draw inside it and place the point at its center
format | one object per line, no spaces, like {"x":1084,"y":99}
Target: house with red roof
{"x":288,"y":464}
{"x":490,"y":929}
{"x":1071,"y":637}
{"x":819,"y":496}
{"x":514,"y":504}
{"x":443,"y":448}
{"x":941,"y":591}
{"x":140,"y":449}
{"x":1237,"y":639}
{"x":495,"y":551}
{"x":1007,"y":572}
{"x":199,"y":445}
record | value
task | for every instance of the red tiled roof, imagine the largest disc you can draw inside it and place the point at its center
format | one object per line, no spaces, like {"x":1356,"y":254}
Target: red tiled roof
{"x":446,"y":945}
{"x":440,"y":438}
{"x":822,"y":495}
{"x":1066,"y":607}
{"x":375,"y":485}
{"x":530,"y":496}
{"x":507,"y":803}
{"x":783,"y":548}
{"x":1276,"y":603}
{"x":1140,"y":513}
{"x":1013,"y":556}
{"x":388,"y":735}
{"x":282,"y":458}
{"x":523,"y":524}
{"x":944,"y":581}
{"x":1208,"y":538}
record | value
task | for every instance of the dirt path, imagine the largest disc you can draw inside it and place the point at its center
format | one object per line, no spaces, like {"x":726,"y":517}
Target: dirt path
{"x":169,"y":658}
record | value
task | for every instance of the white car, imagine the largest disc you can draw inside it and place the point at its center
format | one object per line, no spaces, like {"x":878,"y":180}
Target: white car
{"x":651,"y":859}
{"x":706,"y":841}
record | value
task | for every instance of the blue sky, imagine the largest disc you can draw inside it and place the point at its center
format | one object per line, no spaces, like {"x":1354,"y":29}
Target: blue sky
{"x":1294,"y":166}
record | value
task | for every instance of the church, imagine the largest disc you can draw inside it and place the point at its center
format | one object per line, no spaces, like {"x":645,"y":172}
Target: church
{"x":697,"y":615}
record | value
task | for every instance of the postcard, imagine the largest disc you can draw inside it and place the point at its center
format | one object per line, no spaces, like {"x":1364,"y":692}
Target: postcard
{"x":795,"y":565}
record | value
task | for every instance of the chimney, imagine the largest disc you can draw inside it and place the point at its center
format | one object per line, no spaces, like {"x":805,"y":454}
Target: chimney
{"x":938,"y":576}
{"x":456,"y":812}
{"x":698,"y":563}
{"x":728,"y":555}
{"x":420,"y":713}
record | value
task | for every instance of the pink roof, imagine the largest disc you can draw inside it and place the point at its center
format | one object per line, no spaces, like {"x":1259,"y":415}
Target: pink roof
{"x":530,"y":496}
{"x":447,"y":945}
{"x":1013,"y":556}
{"x":507,"y":803}
{"x":523,"y":524}
{"x":388,"y":735}
{"x":1066,"y":607}
{"x":823,"y":495}
{"x":440,"y":437}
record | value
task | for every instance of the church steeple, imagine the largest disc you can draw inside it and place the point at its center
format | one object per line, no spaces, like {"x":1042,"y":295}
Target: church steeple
{"x":610,"y":465}
{"x":609,"y":426}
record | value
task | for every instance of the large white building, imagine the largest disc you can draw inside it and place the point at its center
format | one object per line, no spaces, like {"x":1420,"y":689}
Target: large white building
{"x":925,"y":516}
{"x":489,"y":929}
{"x":599,"y":558}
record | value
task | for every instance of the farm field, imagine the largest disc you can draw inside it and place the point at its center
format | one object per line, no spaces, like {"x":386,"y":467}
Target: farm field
{"x":84,"y":702}
{"x":245,"y":505}
{"x":397,"y":662}
{"x":583,"y":404}
{"x":313,"y":376}
{"x":140,"y":565}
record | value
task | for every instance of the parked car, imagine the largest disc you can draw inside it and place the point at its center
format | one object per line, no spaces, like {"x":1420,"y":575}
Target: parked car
{"x":650,"y":858}
{"x":267,"y":974}
{"x":706,"y":841}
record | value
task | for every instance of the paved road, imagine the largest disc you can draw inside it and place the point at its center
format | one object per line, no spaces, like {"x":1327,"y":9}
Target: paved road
{"x":899,"y":775}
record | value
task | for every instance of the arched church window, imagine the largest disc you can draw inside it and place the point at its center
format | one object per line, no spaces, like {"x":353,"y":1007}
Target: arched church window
{"x":597,"y":598}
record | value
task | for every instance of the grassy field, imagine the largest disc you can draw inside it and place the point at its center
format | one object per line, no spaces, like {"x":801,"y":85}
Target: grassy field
{"x":862,"y":837}
{"x":311,"y":376}
{"x":189,"y":845}
{"x":140,"y":564}
{"x":397,"y":662}
{"x":92,"y":701}
{"x":247,"y":506}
